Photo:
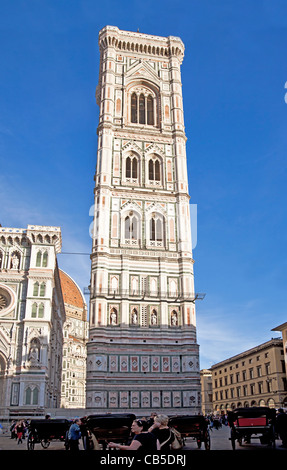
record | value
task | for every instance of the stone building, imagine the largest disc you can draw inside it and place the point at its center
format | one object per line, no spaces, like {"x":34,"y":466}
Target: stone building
{"x":32,"y":315}
{"x":283,"y":329}
{"x":142,"y":353}
{"x":253,"y":378}
{"x":206,"y":391}
{"x":73,"y":389}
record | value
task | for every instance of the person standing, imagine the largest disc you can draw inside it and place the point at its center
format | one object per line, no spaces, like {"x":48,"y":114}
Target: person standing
{"x":281,"y":426}
{"x":162,"y":432}
{"x":74,"y":435}
{"x":19,"y":429}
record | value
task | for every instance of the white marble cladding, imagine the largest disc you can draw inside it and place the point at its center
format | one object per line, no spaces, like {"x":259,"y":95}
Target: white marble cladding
{"x":133,"y":399}
{"x":132,"y":363}
{"x":142,"y":283}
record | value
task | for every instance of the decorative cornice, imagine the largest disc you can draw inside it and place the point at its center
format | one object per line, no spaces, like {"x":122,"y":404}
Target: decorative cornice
{"x":135,"y":42}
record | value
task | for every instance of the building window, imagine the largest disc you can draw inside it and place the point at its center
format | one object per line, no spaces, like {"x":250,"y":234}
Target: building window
{"x":131,"y":229}
{"x":36,"y":289}
{"x":131,"y":167}
{"x":154,"y":173}
{"x":43,"y":289}
{"x":32,"y":396}
{"x":156,"y":230}
{"x":142,"y":109}
{"x":42,"y":259}
{"x":37,"y":310}
{"x":39,"y":259}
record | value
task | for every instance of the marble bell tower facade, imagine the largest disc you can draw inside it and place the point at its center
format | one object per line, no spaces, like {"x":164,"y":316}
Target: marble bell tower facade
{"x":142,"y":353}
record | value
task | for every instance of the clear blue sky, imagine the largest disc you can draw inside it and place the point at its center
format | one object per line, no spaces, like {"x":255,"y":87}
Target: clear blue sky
{"x":234,"y":76}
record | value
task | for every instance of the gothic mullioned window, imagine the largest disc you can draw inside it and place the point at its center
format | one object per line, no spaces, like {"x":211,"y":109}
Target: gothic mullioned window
{"x":37,"y":310}
{"x":131,"y":227}
{"x":154,"y":170}
{"x":142,"y":106}
{"x":132,"y":168}
{"x":156,"y":228}
{"x":42,"y":259}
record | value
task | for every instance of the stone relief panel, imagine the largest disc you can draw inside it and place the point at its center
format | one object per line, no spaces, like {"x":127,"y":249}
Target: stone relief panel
{"x":145,"y":399}
{"x":166,"y":399}
{"x":123,"y":363}
{"x":176,"y":399}
{"x":165,"y":363}
{"x":124,"y":399}
{"x":155,"y":364}
{"x":189,"y":398}
{"x":113,"y":399}
{"x":113,"y":363}
{"x":135,"y":399}
{"x":100,"y":399}
{"x":155,"y":398}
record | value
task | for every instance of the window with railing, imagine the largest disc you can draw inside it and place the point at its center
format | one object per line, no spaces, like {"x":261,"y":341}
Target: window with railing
{"x":131,"y":230}
{"x":132,"y":169}
{"x":155,"y":171}
{"x":156,"y":231}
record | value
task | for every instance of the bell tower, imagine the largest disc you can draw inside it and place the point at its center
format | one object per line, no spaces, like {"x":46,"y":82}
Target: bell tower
{"x":142,"y":352}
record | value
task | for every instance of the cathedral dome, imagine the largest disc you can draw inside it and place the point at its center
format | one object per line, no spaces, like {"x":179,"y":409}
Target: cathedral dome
{"x":71,"y":292}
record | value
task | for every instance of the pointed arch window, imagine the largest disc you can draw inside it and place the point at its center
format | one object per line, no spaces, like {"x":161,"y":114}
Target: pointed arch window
{"x":39,"y":259}
{"x":132,"y":168}
{"x":43,"y":289}
{"x":131,"y":227}
{"x":150,"y":111}
{"x":45,"y":260}
{"x":154,"y":171}
{"x":37,"y":310}
{"x":142,"y":108}
{"x":42,"y":259}
{"x":156,"y":230}
{"x":32,"y":396}
{"x":36,"y":289}
{"x":134,"y":108}
{"x":34,"y":310}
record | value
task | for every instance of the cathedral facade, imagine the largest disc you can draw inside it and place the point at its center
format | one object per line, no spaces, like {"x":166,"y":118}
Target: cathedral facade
{"x":32,"y":316}
{"x":73,"y":387}
{"x":142,"y":352}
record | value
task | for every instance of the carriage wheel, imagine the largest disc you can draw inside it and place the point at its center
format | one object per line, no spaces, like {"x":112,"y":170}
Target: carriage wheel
{"x":30,"y":442}
{"x":45,"y":443}
{"x":207,"y":441}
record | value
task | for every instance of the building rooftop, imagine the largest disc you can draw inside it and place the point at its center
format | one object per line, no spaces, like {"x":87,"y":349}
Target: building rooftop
{"x":71,"y":292}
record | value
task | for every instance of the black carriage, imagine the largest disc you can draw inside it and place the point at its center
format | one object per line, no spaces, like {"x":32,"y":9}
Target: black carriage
{"x":252,"y":423}
{"x":43,"y":431}
{"x":105,"y":428}
{"x":194,"y":426}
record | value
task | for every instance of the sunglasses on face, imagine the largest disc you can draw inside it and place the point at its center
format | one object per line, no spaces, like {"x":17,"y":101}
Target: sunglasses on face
{"x":139,"y":422}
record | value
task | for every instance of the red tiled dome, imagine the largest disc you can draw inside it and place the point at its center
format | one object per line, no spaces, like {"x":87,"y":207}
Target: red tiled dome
{"x":71,"y":292}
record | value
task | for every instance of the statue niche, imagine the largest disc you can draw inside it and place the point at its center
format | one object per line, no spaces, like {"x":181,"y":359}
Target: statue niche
{"x":34,"y":352}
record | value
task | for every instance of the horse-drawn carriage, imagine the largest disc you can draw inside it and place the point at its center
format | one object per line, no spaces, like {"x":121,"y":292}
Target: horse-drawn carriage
{"x":194,"y":426}
{"x":254,"y":422}
{"x":43,"y":431}
{"x":103,"y":428}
